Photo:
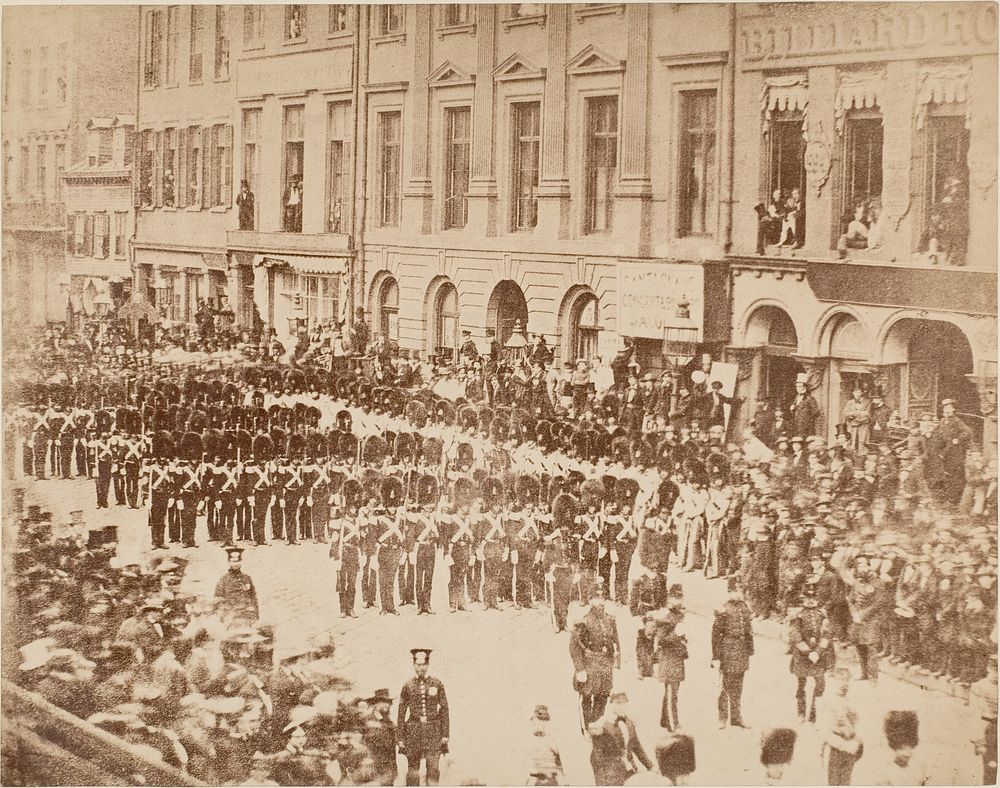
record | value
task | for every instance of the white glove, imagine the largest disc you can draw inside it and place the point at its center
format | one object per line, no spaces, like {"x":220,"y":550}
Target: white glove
{"x":480,"y":554}
{"x":581,"y":676}
{"x":813,"y":657}
{"x":180,"y":505}
{"x":614,"y":556}
{"x":449,"y":561}
{"x":373,"y":564}
{"x":413,"y":558}
{"x":601,"y":551}
{"x":472,"y":558}
{"x":218,"y":504}
{"x":506,"y":554}
{"x":402,"y":559}
{"x":513,"y":557}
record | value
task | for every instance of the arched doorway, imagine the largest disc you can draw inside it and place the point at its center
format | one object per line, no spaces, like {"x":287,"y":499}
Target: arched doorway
{"x":933,"y":359}
{"x":506,"y":307}
{"x":845,"y":342}
{"x":770,"y":328}
{"x":388,"y":309}
{"x":445,"y":321}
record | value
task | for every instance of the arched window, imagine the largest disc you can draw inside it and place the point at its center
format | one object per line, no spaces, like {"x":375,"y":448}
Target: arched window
{"x":446,"y":323}
{"x":584,"y":327}
{"x":389,"y":310}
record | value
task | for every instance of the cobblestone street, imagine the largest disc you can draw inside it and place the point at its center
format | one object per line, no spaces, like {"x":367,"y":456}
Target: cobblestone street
{"x":497,"y":666}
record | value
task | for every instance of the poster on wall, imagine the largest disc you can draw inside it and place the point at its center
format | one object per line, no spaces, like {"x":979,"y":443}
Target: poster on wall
{"x":656,"y":297}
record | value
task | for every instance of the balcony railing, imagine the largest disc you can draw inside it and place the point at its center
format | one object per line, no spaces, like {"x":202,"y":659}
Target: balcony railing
{"x":49,"y":217}
{"x":314,"y":243}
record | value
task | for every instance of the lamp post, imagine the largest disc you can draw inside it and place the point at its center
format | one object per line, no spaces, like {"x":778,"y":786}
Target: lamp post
{"x":516,"y":347}
{"x":680,"y":344}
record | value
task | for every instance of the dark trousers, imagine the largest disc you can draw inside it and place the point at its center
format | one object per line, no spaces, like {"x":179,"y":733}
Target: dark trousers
{"x":800,"y":696}
{"x":422,"y":743}
{"x":132,"y":484}
{"x":28,"y":459}
{"x":457,"y":576}
{"x":369,"y":583}
{"x":668,"y":711}
{"x":625,"y":551}
{"x":227,"y":518}
{"x":730,"y":697}
{"x":174,"y":523}
{"x":103,"y":483}
{"x":65,"y":450}
{"x":407,"y":582}
{"x":868,"y":659}
{"x":491,"y":578}
{"x":82,"y":459}
{"x":592,"y":707}
{"x":562,"y":591}
{"x":475,"y":580}
{"x":839,"y":765}
{"x":189,"y":518}
{"x":424,"y":576}
{"x":118,"y":485}
{"x":505,"y":582}
{"x":388,"y":568}
{"x":305,"y":518}
{"x":347,"y":583}
{"x":293,"y":502}
{"x":522,"y":577}
{"x":158,"y":516}
{"x":320,"y":516}
{"x":40,"y":458}
{"x":258,"y":515}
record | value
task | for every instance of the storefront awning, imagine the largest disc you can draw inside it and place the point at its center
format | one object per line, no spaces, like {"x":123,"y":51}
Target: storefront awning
{"x":947,"y":84}
{"x":782,"y":94}
{"x":858,"y":91}
{"x":310,"y":265}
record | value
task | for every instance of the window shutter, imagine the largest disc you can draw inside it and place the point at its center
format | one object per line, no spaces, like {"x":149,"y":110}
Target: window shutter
{"x":70,"y":232}
{"x":227,"y":168}
{"x":88,"y":235}
{"x":206,"y":166}
{"x":181,"y":180}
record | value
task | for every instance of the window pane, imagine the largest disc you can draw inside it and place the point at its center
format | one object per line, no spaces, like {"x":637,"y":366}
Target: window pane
{"x":862,"y":185}
{"x":698,"y":167}
{"x":946,"y":191}
{"x":602,"y":162}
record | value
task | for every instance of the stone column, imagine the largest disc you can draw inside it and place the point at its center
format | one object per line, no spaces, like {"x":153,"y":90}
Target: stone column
{"x":553,"y":184}
{"x":634,"y":195}
{"x":748,"y":361}
{"x":417,"y":192}
{"x":483,"y":181}
{"x":820,"y":204}
{"x":897,"y":128}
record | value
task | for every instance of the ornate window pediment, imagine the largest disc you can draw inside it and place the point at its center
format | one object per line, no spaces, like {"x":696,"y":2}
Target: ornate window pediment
{"x":516,"y":67}
{"x":447,"y":75}
{"x":593,"y":61}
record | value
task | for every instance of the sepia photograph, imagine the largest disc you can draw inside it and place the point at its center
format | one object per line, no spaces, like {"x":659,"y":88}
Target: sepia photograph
{"x":426,"y":394}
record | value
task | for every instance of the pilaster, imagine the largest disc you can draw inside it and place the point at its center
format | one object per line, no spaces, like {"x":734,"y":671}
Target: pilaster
{"x":417,"y":189}
{"x":553,"y":183}
{"x":483,"y":183}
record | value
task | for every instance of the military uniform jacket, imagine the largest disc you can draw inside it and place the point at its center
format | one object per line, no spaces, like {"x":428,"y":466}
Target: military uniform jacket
{"x":732,"y":637}
{"x":422,"y":700}
{"x":594,"y":647}
{"x":808,"y":634}
{"x":234,"y":593}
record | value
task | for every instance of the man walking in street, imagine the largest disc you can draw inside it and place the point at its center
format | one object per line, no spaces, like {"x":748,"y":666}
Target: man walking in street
{"x":732,"y":647}
{"x":596,"y":650}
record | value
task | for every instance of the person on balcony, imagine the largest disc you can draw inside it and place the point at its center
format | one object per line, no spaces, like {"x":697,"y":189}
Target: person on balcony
{"x":244,"y":201}
{"x":293,"y":205}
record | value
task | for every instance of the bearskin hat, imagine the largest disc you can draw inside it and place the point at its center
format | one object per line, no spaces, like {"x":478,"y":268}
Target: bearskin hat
{"x":371,"y":482}
{"x":565,"y":509}
{"x":717,"y":466}
{"x":347,"y":449}
{"x":464,"y":456}
{"x":430,"y":451}
{"x":444,"y":412}
{"x":162,"y":444}
{"x":528,"y":490}
{"x":427,"y":490}
{"x":344,"y":420}
{"x":486,"y":416}
{"x":499,"y":430}
{"x":263,"y":447}
{"x":391,"y":491}
{"x":468,"y":418}
{"x":626,"y":490}
{"x":375,"y":450}
{"x":902,"y":729}
{"x":402,"y":448}
{"x":675,"y":756}
{"x":243,"y":445}
{"x":492,"y":492}
{"x":416,"y":413}
{"x":279,"y":440}
{"x":777,"y":746}
{"x":352,"y":492}
{"x":464,"y":491}
{"x":667,"y":494}
{"x":316,"y":446}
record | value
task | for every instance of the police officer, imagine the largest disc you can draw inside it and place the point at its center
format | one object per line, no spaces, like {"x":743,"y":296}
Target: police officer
{"x":732,"y":647}
{"x":595,"y":649}
{"x":811,"y":648}
{"x":423,"y":720}
{"x":235,"y":595}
